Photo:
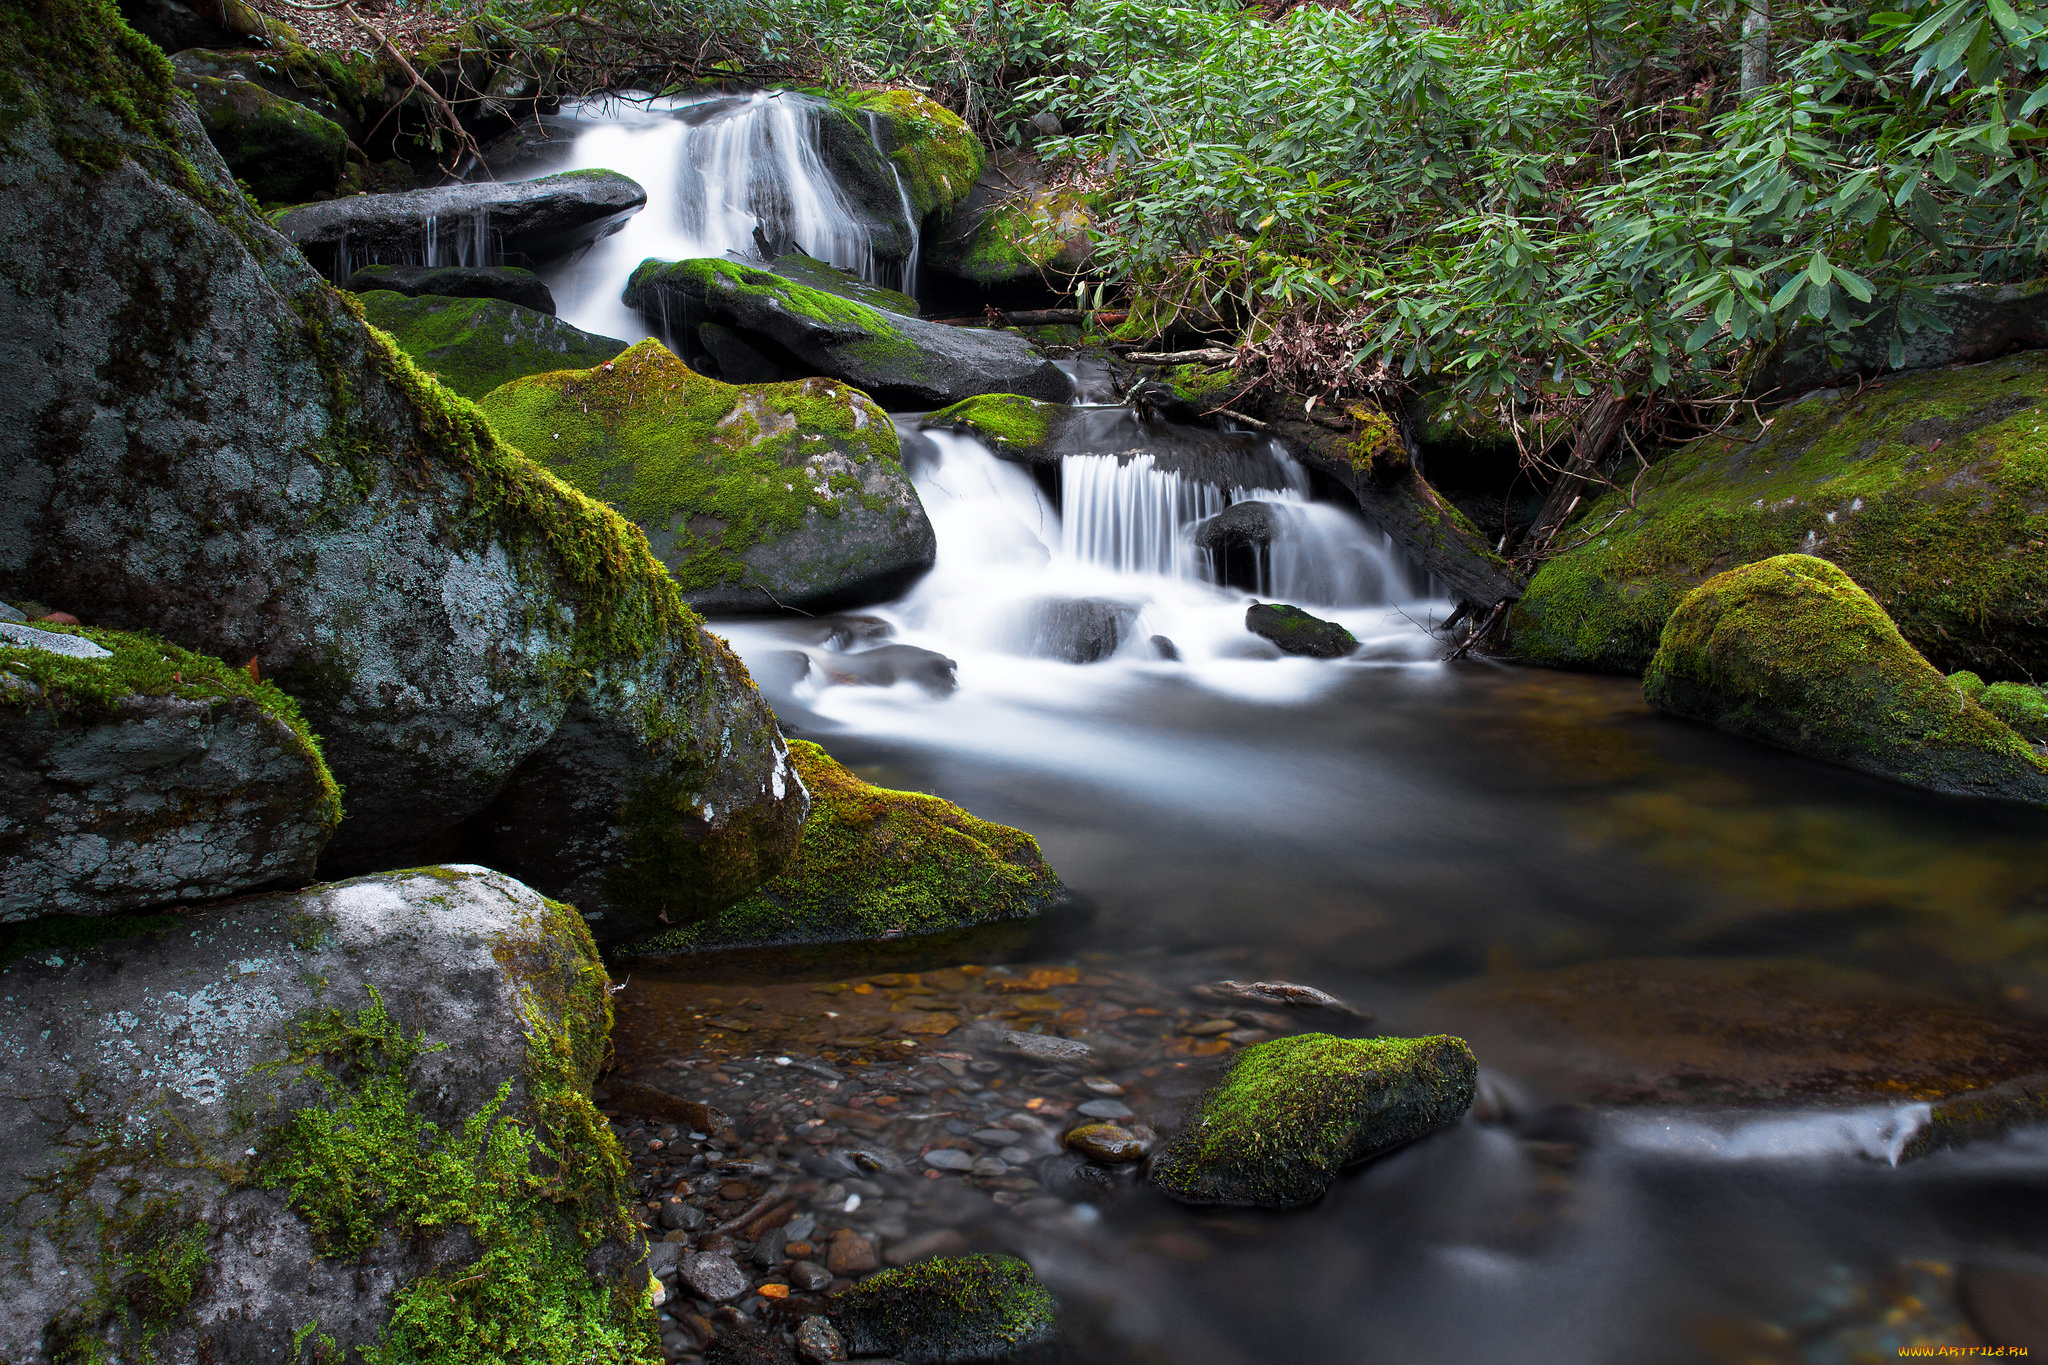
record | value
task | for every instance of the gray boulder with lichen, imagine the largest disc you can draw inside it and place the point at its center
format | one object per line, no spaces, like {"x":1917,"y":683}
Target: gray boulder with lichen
{"x":201,"y":439}
{"x":352,"y":1116}
{"x":141,"y":774}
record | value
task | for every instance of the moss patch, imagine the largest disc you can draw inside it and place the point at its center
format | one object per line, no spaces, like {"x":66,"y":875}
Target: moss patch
{"x":1008,"y":420}
{"x":282,"y":150}
{"x":708,"y":469}
{"x":142,"y":665}
{"x":1930,"y":490}
{"x":1791,"y":651}
{"x":876,"y":863}
{"x":934,"y":149}
{"x":1031,"y":234}
{"x":475,"y":345}
{"x":1293,"y":1111}
{"x":953,"y":1308}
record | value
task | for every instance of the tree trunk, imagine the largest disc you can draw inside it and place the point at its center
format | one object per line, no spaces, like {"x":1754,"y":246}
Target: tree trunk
{"x":1756,"y":46}
{"x":1597,"y":433}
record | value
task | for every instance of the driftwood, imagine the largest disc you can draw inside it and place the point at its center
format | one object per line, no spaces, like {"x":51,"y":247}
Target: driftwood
{"x":1208,"y":355}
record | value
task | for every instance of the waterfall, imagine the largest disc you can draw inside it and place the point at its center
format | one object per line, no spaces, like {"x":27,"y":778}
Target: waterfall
{"x":909,"y":284}
{"x":726,"y":175}
{"x":1130,"y":516}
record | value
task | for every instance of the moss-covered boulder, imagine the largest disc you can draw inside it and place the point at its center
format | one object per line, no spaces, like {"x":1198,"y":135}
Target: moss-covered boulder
{"x":1791,"y":651}
{"x":507,"y":282}
{"x":1017,"y":428}
{"x":148,"y":775}
{"x":934,"y":150}
{"x":947,"y":1311}
{"x":352,"y":1122}
{"x":1930,"y":490}
{"x":1291,"y":1113}
{"x":473,"y":345}
{"x":813,"y":273}
{"x":756,"y":497}
{"x":1038,"y":234}
{"x":201,"y":439}
{"x":2021,"y":705}
{"x":876,"y":863}
{"x":282,"y":150}
{"x":1294,"y":631}
{"x":902,"y":362}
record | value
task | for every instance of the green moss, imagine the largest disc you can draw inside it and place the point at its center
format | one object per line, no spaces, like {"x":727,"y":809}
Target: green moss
{"x":142,"y":665}
{"x":708,"y":469}
{"x":474,"y":345}
{"x":283,"y":150}
{"x":150,"y":1267}
{"x":1002,"y":419}
{"x":1967,"y":683}
{"x":1029,"y":234}
{"x":1930,"y":490}
{"x":952,"y":1308}
{"x":830,"y":279}
{"x":1791,"y":651}
{"x":1201,"y":387}
{"x":875,"y":863}
{"x":2022,"y":707}
{"x":1376,"y":448}
{"x":1293,"y":1111}
{"x":365,"y":1162}
{"x":936,"y":152}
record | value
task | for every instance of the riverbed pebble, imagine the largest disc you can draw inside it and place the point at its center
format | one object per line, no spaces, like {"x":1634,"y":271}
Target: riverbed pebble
{"x":1105,"y":1142}
{"x":713,"y":1276}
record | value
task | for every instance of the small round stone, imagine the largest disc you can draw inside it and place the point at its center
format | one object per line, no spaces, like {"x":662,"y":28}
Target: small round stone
{"x":1105,"y":1142}
{"x":713,"y":1276}
{"x":1105,"y":1109}
{"x":818,"y":1342}
{"x":1101,"y":1085}
{"x":809,"y":1276}
{"x":947,"y":1159}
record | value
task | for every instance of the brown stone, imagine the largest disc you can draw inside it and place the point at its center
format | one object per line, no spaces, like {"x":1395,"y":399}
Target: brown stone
{"x":1105,"y":1142}
{"x":769,"y":1221}
{"x":849,"y":1253}
{"x":927,"y":1024}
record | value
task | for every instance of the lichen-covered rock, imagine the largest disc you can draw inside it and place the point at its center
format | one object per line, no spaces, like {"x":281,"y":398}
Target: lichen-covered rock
{"x":147,"y":776}
{"x":756,"y":496}
{"x":347,"y":1119}
{"x":1930,"y":490}
{"x":1292,"y":1112}
{"x":507,"y":282}
{"x":201,"y":439}
{"x":876,"y":863}
{"x":935,"y":152}
{"x":1294,"y":631}
{"x":526,"y":222}
{"x":948,"y":1310}
{"x":282,"y":150}
{"x":1790,"y":651}
{"x":473,"y":345}
{"x":902,"y":362}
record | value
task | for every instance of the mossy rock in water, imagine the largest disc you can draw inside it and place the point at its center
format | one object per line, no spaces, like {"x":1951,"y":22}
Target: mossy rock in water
{"x":1013,"y":426}
{"x":948,"y":1311}
{"x":282,"y":150}
{"x":1930,"y":490}
{"x":1294,"y":631}
{"x":756,"y":496}
{"x":813,"y":273}
{"x":486,"y":653}
{"x":134,"y":774}
{"x":876,"y":863}
{"x":386,"y":1081}
{"x":935,"y":151}
{"x":1292,"y":1112}
{"x":1790,"y":651}
{"x":507,"y":282}
{"x":474,"y":345}
{"x":903,"y":362}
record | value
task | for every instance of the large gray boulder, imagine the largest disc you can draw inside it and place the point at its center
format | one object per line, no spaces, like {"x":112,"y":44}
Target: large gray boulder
{"x":527,"y":222}
{"x":353,"y":1116}
{"x":201,"y":439}
{"x":758,"y":497}
{"x":903,"y":362}
{"x":140,"y":774}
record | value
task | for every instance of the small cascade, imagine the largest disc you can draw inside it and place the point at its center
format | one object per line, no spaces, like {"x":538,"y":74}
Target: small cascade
{"x":728,"y":175}
{"x":1131,"y":516}
{"x":469,"y":243}
{"x":908,"y":283}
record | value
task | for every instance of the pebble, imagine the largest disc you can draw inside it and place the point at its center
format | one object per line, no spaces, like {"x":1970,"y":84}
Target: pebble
{"x":809,"y":1276}
{"x":713,"y":1276}
{"x":1045,"y":1047}
{"x":818,"y":1342}
{"x":947,"y":1159}
{"x":1105,"y":1109}
{"x":681,"y":1215}
{"x":768,"y":1251}
{"x":1105,"y":1142}
{"x":989,"y":1167}
{"x":1101,"y":1085}
{"x":849,"y":1253}
{"x":49,"y":641}
{"x":993,"y":1137}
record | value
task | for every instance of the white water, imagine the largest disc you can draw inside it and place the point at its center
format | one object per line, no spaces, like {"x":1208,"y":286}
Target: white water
{"x":717,"y":171}
{"x":907,"y":280}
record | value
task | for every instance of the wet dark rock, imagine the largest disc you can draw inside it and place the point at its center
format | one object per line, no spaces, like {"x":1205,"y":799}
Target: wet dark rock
{"x":1105,"y":1109}
{"x":524,"y":222}
{"x":1291,"y":1113}
{"x":768,"y":1249}
{"x":1163,"y":648}
{"x":937,"y":1312}
{"x":850,"y":1253}
{"x":680,"y":1214}
{"x":1281,"y":993}
{"x":948,"y":1159}
{"x":888,"y":665}
{"x":809,"y":1276}
{"x":284,"y":151}
{"x":712,"y":1275}
{"x":471,"y":993}
{"x":745,"y":1344}
{"x":509,"y":283}
{"x":1251,"y":524}
{"x":473,"y":344}
{"x":1294,"y":631}
{"x":818,"y":1342}
{"x":904,"y":362}
{"x":1106,"y":1142}
{"x":2007,"y":1301}
{"x":1980,"y":1115}
{"x":1079,"y":630}
{"x":809,"y":271}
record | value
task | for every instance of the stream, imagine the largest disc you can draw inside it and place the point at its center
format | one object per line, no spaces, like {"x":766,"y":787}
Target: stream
{"x":1711,"y":985}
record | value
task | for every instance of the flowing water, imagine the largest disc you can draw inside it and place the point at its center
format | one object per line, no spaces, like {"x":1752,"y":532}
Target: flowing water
{"x":1713,"y":985}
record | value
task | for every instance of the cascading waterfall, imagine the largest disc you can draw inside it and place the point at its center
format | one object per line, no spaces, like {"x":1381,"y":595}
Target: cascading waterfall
{"x":738,"y":175}
{"x":1130,"y":516}
{"x":464,"y":240}
{"x":908,"y":283}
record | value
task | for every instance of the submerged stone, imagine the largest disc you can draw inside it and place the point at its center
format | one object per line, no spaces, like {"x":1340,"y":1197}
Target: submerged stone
{"x":382,"y":1084}
{"x":474,"y":344}
{"x":141,"y":775}
{"x":1294,"y":631}
{"x":1790,"y":651}
{"x":1292,"y":1112}
{"x":947,"y":1310}
{"x":901,"y":361}
{"x":509,"y":283}
{"x":756,"y":497}
{"x":876,"y":863}
{"x":1930,"y":490}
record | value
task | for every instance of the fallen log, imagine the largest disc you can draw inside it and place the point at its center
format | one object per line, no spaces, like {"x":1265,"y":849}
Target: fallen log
{"x":1207,"y":355}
